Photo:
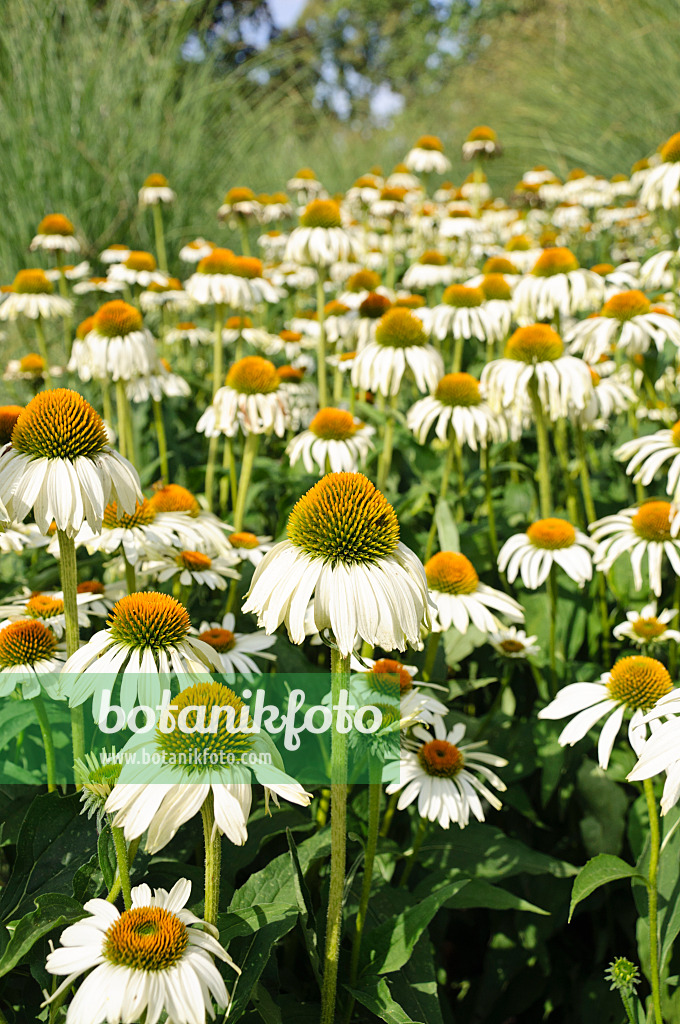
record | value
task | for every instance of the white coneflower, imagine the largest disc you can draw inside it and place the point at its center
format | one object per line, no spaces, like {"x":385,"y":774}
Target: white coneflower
{"x":148,"y":636}
{"x":119,"y":346}
{"x":372,"y":308}
{"x":98,"y":286}
{"x":170,"y":296}
{"x":155,"y":957}
{"x":55,"y":234}
{"x":248,"y":547}
{"x":513,"y":643}
{"x":534,"y":357}
{"x":628,"y":322}
{"x":138,"y":268}
{"x":610,"y":395}
{"x":400,"y":343}
{"x":274,"y":207}
{"x":335,"y":441}
{"x":161,"y":383}
{"x":321,"y":240}
{"x":137,"y":533}
{"x":634,"y":684}
{"x":547,"y":542}
{"x":240,"y":201}
{"x":31,"y":367}
{"x":442,"y":774}
{"x":60,"y":465}
{"x":557,"y":284}
{"x":194,"y":526}
{"x":430,"y":270}
{"x":190,"y":567}
{"x":648,"y":626}
{"x":662,"y":183}
{"x":47,"y":608}
{"x":186,"y":330}
{"x":388,"y":681}
{"x":649,"y":529}
{"x":32,"y":296}
{"x":456,"y":409}
{"x":236,"y":650}
{"x":461,"y":314}
{"x":306,"y":184}
{"x":461,"y":598}
{"x":19,"y":536}
{"x":228,"y":767}
{"x":30,"y":657}
{"x":650,"y":453}
{"x":72,"y":272}
{"x":115,"y":253}
{"x":427,"y":156}
{"x":481,"y":143}
{"x":155,"y":190}
{"x":221,"y":278}
{"x":193,"y":252}
{"x":250,"y":401}
{"x":343,"y":547}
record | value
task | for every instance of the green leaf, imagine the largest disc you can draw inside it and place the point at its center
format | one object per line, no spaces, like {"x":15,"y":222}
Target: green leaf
{"x":54,"y":840}
{"x":415,"y":986}
{"x":304,"y":902}
{"x":599,"y":871}
{"x":457,"y":646}
{"x":53,"y":910}
{"x":251,"y":953}
{"x":484,"y":851}
{"x":388,"y":947}
{"x":603,"y":826}
{"x":275,"y":883}
{"x":374,"y":994}
{"x":248,"y":920}
{"x":479,"y":893}
{"x":107,"y":856}
{"x":449,"y":539}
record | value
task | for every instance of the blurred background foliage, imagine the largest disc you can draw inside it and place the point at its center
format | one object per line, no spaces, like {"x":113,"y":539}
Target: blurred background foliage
{"x":98,"y":93}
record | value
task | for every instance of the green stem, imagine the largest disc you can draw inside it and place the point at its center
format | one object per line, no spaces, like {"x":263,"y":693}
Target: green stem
{"x":385,"y":460}
{"x":321,"y":349}
{"x":339,"y":681}
{"x":249,"y":452}
{"x":562,"y":449}
{"x":652,"y":891}
{"x":63,"y":291}
{"x":430,"y":655}
{"x":552,"y":602}
{"x":125,"y":445}
{"x":412,"y":858}
{"x":42,"y":345}
{"x":490,"y":512}
{"x":69,"y":585}
{"x":162,"y":442}
{"x":106,"y":402}
{"x":213,"y":860}
{"x":160,"y":237}
{"x":374,"y":799}
{"x":389,"y":814}
{"x":628,"y":1007}
{"x":218,"y":371}
{"x":458,"y":348}
{"x":591,"y":516}
{"x":130,"y":576}
{"x":245,"y":240}
{"x":443,"y":490}
{"x":122,"y":861}
{"x":48,"y":743}
{"x":544,"y":493}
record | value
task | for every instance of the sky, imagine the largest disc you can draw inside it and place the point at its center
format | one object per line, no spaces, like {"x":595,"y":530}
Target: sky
{"x":286,"y":12}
